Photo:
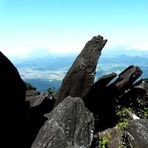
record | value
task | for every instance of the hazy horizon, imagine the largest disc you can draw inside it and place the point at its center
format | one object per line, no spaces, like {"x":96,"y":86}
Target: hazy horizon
{"x":46,"y":70}
{"x":64,"y":26}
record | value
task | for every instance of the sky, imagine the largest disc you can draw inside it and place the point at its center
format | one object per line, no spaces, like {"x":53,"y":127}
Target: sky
{"x":64,"y":26}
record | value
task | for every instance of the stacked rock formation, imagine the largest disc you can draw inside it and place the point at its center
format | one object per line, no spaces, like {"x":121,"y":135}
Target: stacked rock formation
{"x":83,"y":108}
{"x":77,"y":82}
{"x":101,"y":97}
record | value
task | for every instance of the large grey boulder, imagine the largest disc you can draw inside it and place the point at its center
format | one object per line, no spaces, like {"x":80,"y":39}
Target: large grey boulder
{"x":69,"y":125}
{"x":137,"y":134}
{"x":80,"y":77}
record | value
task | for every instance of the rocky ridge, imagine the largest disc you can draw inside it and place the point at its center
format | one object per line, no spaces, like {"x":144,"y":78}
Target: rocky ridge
{"x":82,"y":113}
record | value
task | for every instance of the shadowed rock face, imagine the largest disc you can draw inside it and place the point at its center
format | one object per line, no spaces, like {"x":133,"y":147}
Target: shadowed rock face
{"x":12,"y":87}
{"x":81,"y":75}
{"x":12,"y":103}
{"x":20,"y":122}
{"x":40,"y":104}
{"x":97,"y":95}
{"x":69,"y":125}
{"x":142,"y":84}
{"x":101,"y":99}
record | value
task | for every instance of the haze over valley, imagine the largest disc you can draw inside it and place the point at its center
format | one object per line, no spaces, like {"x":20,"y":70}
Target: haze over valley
{"x":44,"y":70}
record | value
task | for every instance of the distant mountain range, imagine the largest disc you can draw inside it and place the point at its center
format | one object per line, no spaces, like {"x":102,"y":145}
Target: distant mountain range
{"x":47,"y":70}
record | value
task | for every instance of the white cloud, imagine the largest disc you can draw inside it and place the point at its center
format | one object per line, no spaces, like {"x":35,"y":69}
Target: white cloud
{"x":16,"y":51}
{"x":128,"y":44}
{"x":14,"y":46}
{"x":29,"y":73}
{"x":143,"y":45}
{"x":115,"y":43}
{"x":53,"y":46}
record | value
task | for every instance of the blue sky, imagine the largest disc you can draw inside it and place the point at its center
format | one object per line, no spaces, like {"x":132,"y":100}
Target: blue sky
{"x":64,"y":26}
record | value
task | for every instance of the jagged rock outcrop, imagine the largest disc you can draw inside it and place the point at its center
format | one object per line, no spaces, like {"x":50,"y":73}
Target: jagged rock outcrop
{"x":127,"y":78}
{"x":69,"y":125}
{"x":137,"y":134}
{"x":80,"y":77}
{"x":101,"y":99}
{"x":81,"y":106}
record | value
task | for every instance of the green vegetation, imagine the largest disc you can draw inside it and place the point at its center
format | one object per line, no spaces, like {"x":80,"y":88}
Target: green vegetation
{"x":122,"y":146}
{"x":122,"y":124}
{"x":51,"y":91}
{"x":123,"y":120}
{"x":104,"y":141}
{"x":146,"y":112}
{"x":136,"y":103}
{"x":131,"y":101}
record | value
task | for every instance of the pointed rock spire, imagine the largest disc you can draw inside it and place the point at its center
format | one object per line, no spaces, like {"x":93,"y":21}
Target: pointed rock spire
{"x":80,"y":77}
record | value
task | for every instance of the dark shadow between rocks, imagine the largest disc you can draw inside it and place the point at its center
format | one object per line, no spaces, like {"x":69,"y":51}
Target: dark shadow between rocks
{"x":35,"y":119}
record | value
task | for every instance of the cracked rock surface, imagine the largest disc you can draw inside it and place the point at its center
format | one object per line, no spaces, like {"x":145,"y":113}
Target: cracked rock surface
{"x":69,"y":125}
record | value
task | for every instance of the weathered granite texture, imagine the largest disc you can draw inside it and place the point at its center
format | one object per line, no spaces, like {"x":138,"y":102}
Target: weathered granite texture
{"x":137,"y":134}
{"x":69,"y":125}
{"x":80,"y":76}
